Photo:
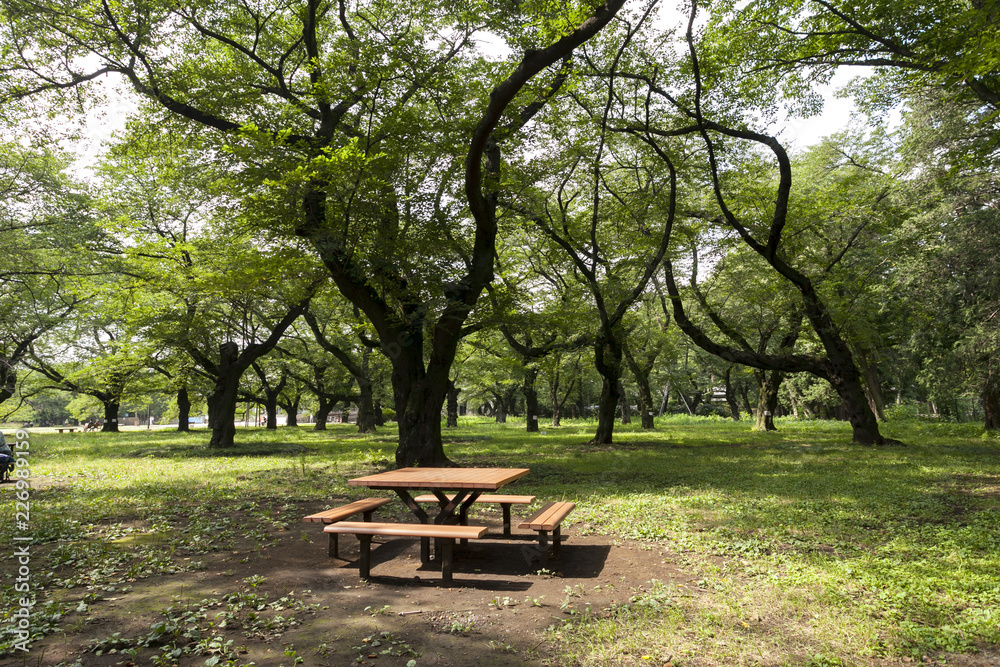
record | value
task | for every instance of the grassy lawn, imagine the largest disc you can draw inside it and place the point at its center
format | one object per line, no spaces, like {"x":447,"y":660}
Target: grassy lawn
{"x":858,"y":554}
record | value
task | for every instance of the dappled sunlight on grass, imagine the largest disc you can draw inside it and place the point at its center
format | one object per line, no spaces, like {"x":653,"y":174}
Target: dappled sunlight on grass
{"x":800,"y":536}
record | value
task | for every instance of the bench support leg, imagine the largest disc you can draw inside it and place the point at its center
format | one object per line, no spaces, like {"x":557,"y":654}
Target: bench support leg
{"x":365,"y":565}
{"x":333,"y":546}
{"x":543,"y":547}
{"x":506,"y":519}
{"x":556,"y":540}
{"x":447,"y":552}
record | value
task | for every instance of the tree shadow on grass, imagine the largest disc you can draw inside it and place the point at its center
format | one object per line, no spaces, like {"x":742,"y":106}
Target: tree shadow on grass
{"x":198,"y":450}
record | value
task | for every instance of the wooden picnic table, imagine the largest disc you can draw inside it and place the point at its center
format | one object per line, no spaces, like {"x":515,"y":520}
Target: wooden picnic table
{"x":464,"y":484}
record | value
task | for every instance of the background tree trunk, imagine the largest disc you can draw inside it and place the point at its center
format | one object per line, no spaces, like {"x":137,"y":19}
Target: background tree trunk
{"x":991,"y":408}
{"x":222,"y":401}
{"x":291,"y":408}
{"x":322,"y":412}
{"x":530,"y":400}
{"x":453,"y":393}
{"x":608,"y":360}
{"x":271,"y":412}
{"x":366,"y":406}
{"x":500,"y":411}
{"x":111,"y":407}
{"x":768,"y":383}
{"x":183,"y":410}
{"x":734,"y":407}
{"x":623,"y":403}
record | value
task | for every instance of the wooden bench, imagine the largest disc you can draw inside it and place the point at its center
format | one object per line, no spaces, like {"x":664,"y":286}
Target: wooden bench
{"x":504,"y":501}
{"x":447,"y":533}
{"x":365,"y":507}
{"x":547,"y":520}
{"x":71,"y":430}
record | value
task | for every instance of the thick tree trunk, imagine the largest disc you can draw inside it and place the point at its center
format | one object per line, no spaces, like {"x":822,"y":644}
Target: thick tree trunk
{"x":183,"y":410}
{"x":641,"y":371}
{"x":623,"y":403}
{"x":8,"y":379}
{"x":111,"y":407}
{"x":322,"y":412}
{"x":419,"y":398}
{"x":222,"y":401}
{"x":608,"y":360}
{"x":768,"y":383}
{"x":453,"y":393}
{"x":991,"y":408}
{"x":530,"y":400}
{"x":291,"y":409}
{"x":645,"y":402}
{"x":366,"y":406}
{"x":873,"y":388}
{"x":271,"y":410}
{"x":846,"y":381}
{"x":500,"y":412}
{"x":842,"y":372}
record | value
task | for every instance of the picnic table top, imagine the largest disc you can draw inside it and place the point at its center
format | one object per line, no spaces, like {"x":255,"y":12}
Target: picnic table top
{"x":482,"y":479}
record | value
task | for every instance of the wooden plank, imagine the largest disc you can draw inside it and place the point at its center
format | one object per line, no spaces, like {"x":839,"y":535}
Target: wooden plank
{"x":485,"y":498}
{"x":357,"y":507}
{"x":482,"y":479}
{"x":407,"y":529}
{"x":549,"y":517}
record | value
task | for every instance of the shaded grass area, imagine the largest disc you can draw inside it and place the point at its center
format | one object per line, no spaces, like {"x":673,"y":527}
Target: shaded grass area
{"x":814,"y":551}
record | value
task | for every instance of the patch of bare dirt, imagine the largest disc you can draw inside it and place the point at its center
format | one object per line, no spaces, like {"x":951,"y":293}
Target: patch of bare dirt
{"x":494,"y":612}
{"x":317,"y":609}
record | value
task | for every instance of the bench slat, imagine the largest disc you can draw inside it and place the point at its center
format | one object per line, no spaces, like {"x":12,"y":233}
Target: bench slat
{"x":344,"y":511}
{"x":485,"y":498}
{"x":549,"y":517}
{"x":447,"y":531}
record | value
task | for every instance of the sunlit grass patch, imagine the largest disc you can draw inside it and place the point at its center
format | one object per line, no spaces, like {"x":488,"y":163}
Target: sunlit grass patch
{"x":808,"y":550}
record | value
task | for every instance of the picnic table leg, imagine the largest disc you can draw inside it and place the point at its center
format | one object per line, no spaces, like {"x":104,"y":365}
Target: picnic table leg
{"x":463,"y":513}
{"x":462,"y":500}
{"x":418,"y":511}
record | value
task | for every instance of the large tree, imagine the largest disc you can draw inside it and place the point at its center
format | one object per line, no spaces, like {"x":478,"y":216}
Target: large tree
{"x":951,"y":273}
{"x":46,"y":241}
{"x":356,"y":118}
{"x":603,"y":204}
{"x":950,"y":44}
{"x":751,"y":185}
